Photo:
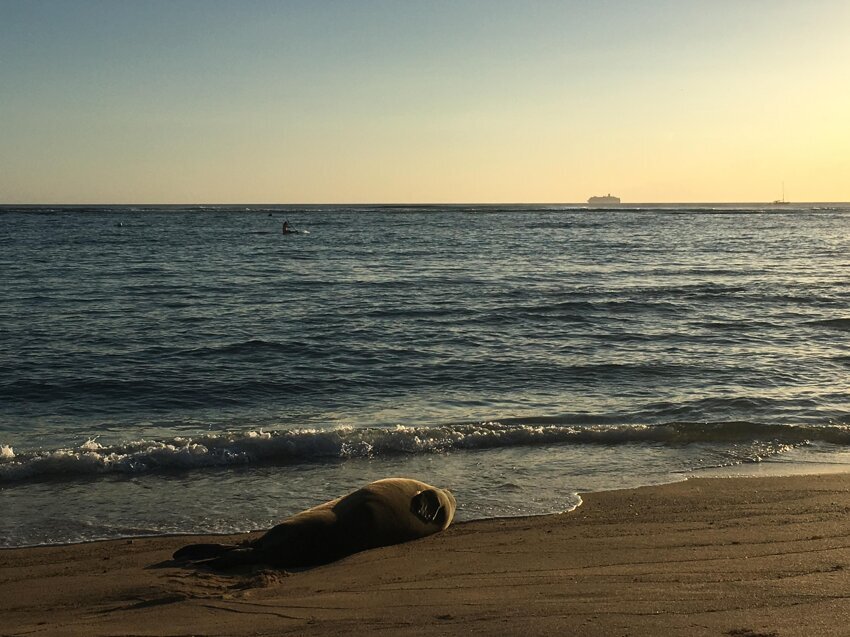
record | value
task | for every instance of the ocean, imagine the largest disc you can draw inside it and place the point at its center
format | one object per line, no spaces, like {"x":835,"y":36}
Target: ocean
{"x":191,"y":369}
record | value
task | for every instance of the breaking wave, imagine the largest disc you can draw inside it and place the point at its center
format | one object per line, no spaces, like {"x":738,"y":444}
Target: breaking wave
{"x":315,"y":445}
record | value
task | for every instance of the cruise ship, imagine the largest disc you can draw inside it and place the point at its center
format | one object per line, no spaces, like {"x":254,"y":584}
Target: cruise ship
{"x":607,"y":200}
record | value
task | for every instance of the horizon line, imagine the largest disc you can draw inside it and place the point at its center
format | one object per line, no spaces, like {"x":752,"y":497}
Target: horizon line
{"x":436,"y":203}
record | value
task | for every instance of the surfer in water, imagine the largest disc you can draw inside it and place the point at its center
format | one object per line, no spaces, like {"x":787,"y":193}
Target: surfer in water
{"x":286,"y":229}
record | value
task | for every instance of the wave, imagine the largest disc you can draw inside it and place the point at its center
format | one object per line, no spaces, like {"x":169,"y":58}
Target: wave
{"x":314,"y":445}
{"x":842,"y":324}
{"x":245,"y":347}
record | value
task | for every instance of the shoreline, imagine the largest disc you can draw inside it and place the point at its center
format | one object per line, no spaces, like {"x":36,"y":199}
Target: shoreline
{"x":768,"y":468}
{"x":705,"y":556}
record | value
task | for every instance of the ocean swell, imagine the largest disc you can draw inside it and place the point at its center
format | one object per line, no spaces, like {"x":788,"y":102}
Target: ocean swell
{"x":841,"y":324}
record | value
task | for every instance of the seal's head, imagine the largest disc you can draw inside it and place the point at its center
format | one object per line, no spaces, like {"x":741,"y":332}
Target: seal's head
{"x":434,"y":506}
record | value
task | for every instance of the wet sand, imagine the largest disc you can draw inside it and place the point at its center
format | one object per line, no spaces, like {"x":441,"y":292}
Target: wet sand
{"x":745,"y":557}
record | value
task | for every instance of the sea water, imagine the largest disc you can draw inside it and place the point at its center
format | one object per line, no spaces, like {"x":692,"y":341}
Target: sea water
{"x":192,"y":369}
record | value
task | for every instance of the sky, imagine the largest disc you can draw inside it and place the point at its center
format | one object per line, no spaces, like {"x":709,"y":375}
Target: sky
{"x":396,"y":101}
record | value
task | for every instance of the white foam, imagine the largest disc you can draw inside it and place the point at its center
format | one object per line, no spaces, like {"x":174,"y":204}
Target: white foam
{"x":752,"y":440}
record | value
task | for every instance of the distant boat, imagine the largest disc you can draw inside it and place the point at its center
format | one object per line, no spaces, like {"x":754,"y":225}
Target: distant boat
{"x":781,"y":202}
{"x":607,"y":200}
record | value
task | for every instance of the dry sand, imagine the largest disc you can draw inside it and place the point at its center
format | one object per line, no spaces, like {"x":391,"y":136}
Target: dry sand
{"x":744,"y":557}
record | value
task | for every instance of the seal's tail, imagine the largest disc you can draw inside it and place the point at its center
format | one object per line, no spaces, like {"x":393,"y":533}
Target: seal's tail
{"x":196,"y":552}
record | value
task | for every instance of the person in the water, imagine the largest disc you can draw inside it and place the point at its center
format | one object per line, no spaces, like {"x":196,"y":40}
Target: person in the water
{"x":286,"y":227}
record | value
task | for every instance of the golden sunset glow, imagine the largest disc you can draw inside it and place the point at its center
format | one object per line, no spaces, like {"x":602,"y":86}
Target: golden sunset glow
{"x":424,"y":102}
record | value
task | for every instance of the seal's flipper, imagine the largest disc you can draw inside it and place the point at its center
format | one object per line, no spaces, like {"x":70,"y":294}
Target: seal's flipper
{"x":426,"y":506}
{"x":195,"y":552}
{"x":234,"y":558}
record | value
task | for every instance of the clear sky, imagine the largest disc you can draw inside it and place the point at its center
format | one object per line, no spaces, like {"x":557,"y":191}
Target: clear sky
{"x":158,"y":101}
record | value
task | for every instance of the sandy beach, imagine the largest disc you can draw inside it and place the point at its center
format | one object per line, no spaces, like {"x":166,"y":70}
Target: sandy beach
{"x":746,"y":557}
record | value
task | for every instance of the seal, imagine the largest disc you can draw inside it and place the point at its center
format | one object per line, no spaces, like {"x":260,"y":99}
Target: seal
{"x":385,"y":512}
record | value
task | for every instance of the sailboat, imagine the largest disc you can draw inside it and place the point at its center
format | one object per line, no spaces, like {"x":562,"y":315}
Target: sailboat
{"x":781,"y":202}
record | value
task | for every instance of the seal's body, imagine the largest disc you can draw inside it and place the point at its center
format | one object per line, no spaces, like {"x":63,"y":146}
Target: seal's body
{"x":385,"y":512}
